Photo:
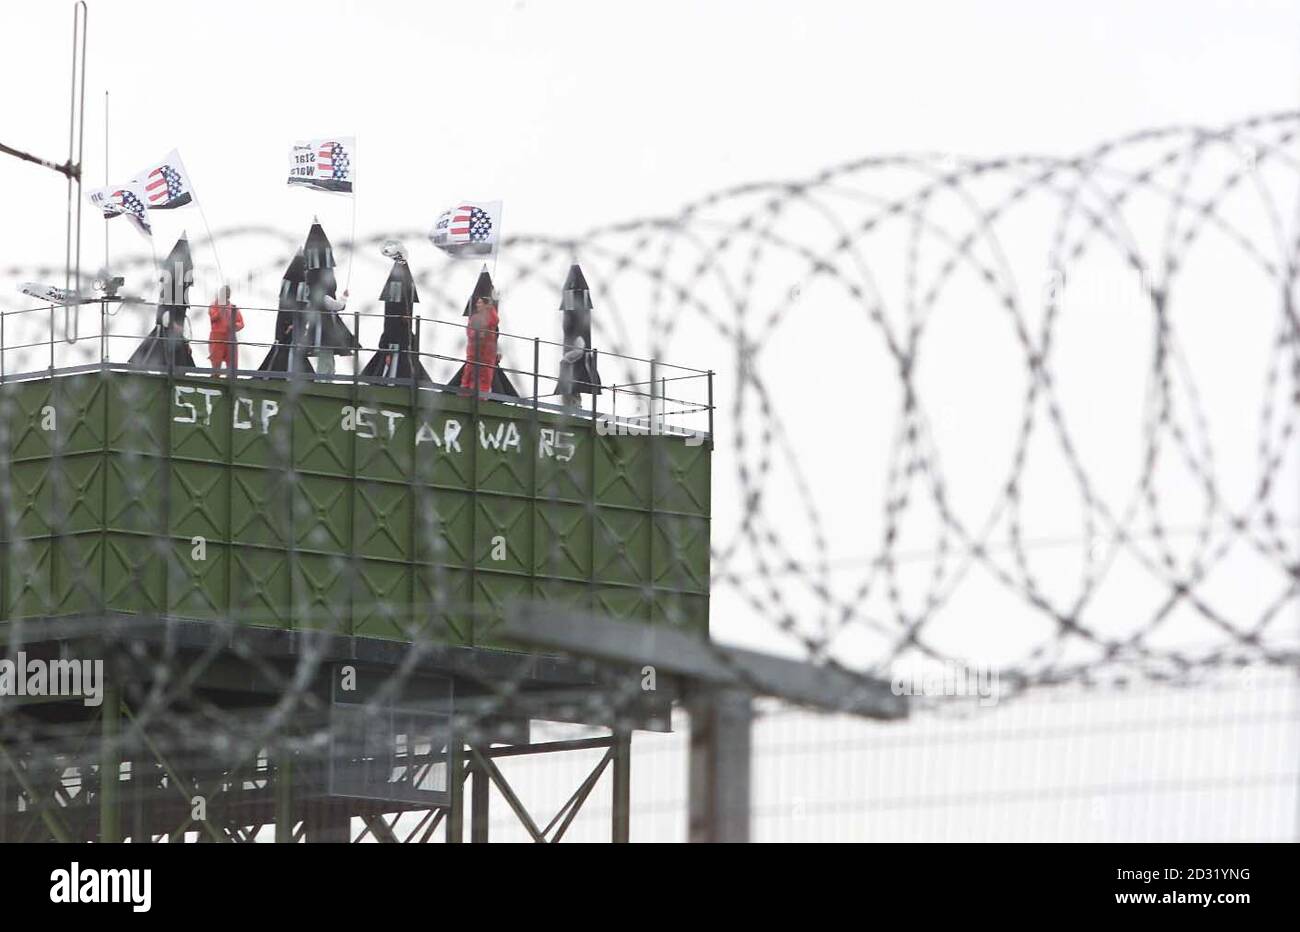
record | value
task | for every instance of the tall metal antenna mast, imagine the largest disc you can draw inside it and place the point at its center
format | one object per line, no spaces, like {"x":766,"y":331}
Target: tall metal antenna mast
{"x":70,"y":169}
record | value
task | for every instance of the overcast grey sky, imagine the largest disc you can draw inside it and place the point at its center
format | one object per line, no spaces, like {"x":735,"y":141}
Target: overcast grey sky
{"x":584,"y":113}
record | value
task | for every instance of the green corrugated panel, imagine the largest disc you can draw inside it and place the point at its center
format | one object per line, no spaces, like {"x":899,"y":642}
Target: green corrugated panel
{"x":684,"y":482}
{"x":443,"y":526}
{"x":134,"y":493}
{"x":502,"y":459}
{"x":26,"y":402}
{"x":201,"y":421}
{"x":382,"y":606}
{"x":75,"y":582}
{"x":623,"y":474}
{"x":139,"y":412}
{"x":319,"y":444}
{"x":80,"y":402}
{"x":30,"y":495}
{"x":260,"y":589}
{"x":681,"y":553}
{"x":449,"y":462}
{"x":494,"y":593}
{"x":623,"y":546}
{"x":322,"y":594}
{"x":196,"y":580}
{"x":562,"y":541}
{"x":322,"y":511}
{"x":79,"y":492}
{"x":623,"y":603}
{"x":562,"y":594}
{"x":679,"y":610}
{"x":563,"y":461}
{"x":382,"y":520}
{"x":557,"y":494}
{"x":260,"y":506}
{"x":134,"y":568}
{"x":507,"y":518}
{"x":199,"y":496}
{"x":384,"y":432}
{"x":261,"y":425}
{"x":27,"y":572}
{"x":443,"y":598}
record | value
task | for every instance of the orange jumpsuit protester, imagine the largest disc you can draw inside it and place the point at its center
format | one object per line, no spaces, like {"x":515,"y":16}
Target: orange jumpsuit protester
{"x":222,"y":345}
{"x":481,"y":356}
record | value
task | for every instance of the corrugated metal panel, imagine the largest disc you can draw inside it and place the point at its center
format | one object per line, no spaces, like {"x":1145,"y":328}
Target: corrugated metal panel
{"x":196,"y":580}
{"x":445,"y":518}
{"x":135,"y":573}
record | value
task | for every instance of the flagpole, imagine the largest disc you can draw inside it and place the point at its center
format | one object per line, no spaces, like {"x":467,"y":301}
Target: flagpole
{"x":352,"y":239}
{"x":106,"y":181}
{"x":496,"y":253}
{"x":103,"y":306}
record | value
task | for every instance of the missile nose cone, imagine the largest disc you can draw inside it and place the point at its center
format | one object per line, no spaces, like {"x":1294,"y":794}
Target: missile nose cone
{"x":575,"y":280}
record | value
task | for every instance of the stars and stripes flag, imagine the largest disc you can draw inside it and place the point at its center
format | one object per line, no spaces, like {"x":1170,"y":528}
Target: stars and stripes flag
{"x":471,"y":229}
{"x":166,"y":185}
{"x":127,"y":200}
{"x":324,"y":164}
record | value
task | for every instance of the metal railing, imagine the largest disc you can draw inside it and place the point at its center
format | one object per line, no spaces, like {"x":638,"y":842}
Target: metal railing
{"x":645,"y":395}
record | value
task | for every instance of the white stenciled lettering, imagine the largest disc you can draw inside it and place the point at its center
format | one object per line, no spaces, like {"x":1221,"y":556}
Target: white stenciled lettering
{"x":270,"y":408}
{"x":193,"y":416}
{"x":208,"y":394}
{"x":238,"y":422}
{"x":392,"y":417}
{"x":450,"y":435}
{"x":425,"y":434}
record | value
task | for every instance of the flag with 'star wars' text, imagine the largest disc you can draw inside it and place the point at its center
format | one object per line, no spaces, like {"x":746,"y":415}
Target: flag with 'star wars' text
{"x":324,"y":164}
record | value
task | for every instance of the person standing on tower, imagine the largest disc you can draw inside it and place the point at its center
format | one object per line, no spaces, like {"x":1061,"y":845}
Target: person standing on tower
{"x":482,"y":369}
{"x":327,"y":335}
{"x":223,"y":345}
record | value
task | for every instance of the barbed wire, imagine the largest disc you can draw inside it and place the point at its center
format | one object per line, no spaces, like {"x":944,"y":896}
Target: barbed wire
{"x":847,"y":315}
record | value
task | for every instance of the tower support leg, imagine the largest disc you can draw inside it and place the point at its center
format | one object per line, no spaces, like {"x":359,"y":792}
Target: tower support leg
{"x":110,"y":767}
{"x":719,"y":766}
{"x":620,"y":828}
{"x":456,"y":793}
{"x":283,"y":796}
{"x":479,"y":799}
{"x":328,"y":823}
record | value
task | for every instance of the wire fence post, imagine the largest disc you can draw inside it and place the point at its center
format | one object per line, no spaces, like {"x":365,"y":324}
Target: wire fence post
{"x":710,"y":409}
{"x":654,"y":381}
